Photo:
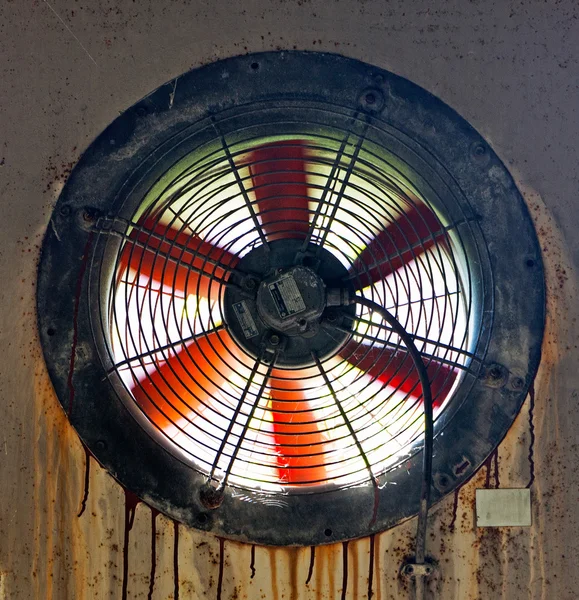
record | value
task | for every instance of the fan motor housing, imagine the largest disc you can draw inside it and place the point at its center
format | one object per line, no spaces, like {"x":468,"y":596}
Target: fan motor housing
{"x":295,"y":95}
{"x":278,"y":297}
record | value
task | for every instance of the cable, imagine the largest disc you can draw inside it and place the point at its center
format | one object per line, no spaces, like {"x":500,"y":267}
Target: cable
{"x":428,"y":432}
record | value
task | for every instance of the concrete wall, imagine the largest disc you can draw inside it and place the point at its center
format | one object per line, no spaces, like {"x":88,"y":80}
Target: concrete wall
{"x":67,"y":68}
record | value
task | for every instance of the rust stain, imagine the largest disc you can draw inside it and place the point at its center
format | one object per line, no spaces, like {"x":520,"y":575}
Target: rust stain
{"x":294,"y":556}
{"x":532,"y":435}
{"x":86,"y":480}
{"x":221,"y":560}
{"x":273,"y":568}
{"x":77,"y":295}
{"x":154,"y":514}
{"x":176,"y":559}
{"x":252,"y":562}
{"x":454,"y":509}
{"x":354,"y":554}
{"x":312,"y":560}
{"x":131,"y":503}
{"x":344,"y":569}
{"x":371,"y":567}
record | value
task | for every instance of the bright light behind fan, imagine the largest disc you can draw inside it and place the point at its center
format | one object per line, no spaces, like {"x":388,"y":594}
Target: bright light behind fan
{"x":185,"y":370}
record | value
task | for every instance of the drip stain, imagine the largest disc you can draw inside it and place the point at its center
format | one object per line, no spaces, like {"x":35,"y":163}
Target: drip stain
{"x":154,"y":513}
{"x":293,"y":556}
{"x":496,"y":473}
{"x":176,"y":559}
{"x":532,"y":434}
{"x":312,"y":560}
{"x":454,"y":509}
{"x":488,"y":464}
{"x":86,"y":481}
{"x":252,"y":562}
{"x":131,"y":502}
{"x":371,"y":568}
{"x":344,"y":569}
{"x":221,"y":561}
{"x":78,"y":292}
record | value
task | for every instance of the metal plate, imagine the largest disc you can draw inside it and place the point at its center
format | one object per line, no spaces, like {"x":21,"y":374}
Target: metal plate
{"x":443,"y":153}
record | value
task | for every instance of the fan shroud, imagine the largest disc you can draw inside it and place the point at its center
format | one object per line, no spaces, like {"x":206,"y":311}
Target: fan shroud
{"x":387,"y":129}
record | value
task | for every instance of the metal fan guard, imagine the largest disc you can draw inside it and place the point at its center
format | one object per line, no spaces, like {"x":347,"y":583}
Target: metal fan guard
{"x":437,"y":151}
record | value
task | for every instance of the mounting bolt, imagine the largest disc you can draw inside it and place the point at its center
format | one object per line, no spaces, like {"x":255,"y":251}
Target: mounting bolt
{"x":495,"y":375}
{"x":211,"y":497}
{"x":274,"y":339}
{"x":249,"y":283}
{"x":517,"y":383}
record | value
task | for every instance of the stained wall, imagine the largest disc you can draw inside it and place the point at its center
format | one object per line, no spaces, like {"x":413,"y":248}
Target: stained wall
{"x":67,"y":69}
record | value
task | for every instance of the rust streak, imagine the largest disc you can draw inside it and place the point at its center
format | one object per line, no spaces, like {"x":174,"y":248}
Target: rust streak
{"x":344,"y":569}
{"x":371,"y":568}
{"x":532,"y":434}
{"x":496,"y":473}
{"x":78,"y":292}
{"x":221,"y":560}
{"x":454,"y":509}
{"x":131,"y":502}
{"x":86,"y":481}
{"x":154,"y":513}
{"x":312,"y":560}
{"x":252,"y":562}
{"x":176,"y":559}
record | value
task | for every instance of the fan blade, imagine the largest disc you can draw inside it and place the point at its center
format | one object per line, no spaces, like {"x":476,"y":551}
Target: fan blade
{"x":396,"y":368}
{"x":278,"y":173}
{"x":393,"y":247}
{"x":178,"y":388}
{"x":164,"y":264}
{"x":294,"y":422}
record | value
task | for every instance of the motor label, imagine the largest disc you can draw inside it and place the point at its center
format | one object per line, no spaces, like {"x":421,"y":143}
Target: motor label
{"x":286,"y":296}
{"x":245,"y":319}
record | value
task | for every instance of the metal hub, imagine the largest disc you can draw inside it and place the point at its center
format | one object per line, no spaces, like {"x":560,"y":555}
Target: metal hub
{"x":289,"y":301}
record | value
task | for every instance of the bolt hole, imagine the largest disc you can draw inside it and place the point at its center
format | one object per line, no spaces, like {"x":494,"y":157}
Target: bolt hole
{"x":530,"y":262}
{"x":370,"y":98}
{"x":480,"y":150}
{"x":101,"y":445}
{"x":65,"y":210}
{"x":410,"y":569}
{"x":51,"y":331}
{"x":443,"y":481}
{"x":202,"y":518}
{"x":254,"y":66}
{"x":328,"y":532}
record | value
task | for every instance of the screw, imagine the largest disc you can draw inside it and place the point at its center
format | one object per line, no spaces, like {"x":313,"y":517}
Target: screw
{"x":274,"y":339}
{"x":65,"y":210}
{"x":141,"y":111}
{"x":211,"y":497}
{"x":495,"y":372}
{"x":517,"y":383}
{"x":443,"y":481}
{"x":370,"y":98}
{"x":249,"y":283}
{"x":89,"y":215}
{"x":409,"y":569}
{"x":101,"y":445}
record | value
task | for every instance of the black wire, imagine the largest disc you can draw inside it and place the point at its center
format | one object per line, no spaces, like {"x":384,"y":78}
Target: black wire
{"x":428,"y":420}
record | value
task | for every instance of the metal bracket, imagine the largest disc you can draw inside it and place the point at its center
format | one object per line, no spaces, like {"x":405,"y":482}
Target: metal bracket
{"x":413,"y":570}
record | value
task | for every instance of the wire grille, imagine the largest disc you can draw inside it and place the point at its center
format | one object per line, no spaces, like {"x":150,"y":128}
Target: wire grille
{"x":338,"y":420}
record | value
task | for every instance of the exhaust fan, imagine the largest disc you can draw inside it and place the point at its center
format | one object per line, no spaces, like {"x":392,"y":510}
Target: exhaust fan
{"x":239,"y":274}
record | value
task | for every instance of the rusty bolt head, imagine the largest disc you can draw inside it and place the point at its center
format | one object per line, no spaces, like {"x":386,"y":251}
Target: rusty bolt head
{"x":211,"y":497}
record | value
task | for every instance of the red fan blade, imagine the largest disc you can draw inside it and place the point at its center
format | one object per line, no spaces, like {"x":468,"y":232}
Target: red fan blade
{"x":295,"y":423}
{"x":393,"y":247}
{"x":176,"y":388}
{"x":396,"y":368}
{"x":160,"y":271}
{"x":278,"y":173}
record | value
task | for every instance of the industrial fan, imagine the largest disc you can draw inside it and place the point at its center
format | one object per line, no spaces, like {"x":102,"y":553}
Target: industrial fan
{"x":222,"y":292}
{"x":252,"y":281}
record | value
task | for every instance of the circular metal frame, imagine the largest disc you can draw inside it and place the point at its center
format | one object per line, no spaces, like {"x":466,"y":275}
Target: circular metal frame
{"x":441,"y":151}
